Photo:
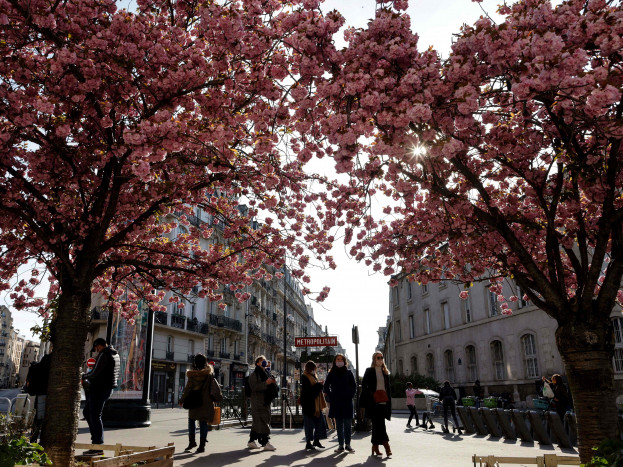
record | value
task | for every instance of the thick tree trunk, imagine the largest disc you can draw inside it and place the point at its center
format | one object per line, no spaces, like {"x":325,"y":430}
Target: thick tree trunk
{"x":586,"y":349}
{"x":63,"y":401}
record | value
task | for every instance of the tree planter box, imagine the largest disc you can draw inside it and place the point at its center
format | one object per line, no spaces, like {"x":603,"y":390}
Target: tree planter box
{"x":126,"y":456}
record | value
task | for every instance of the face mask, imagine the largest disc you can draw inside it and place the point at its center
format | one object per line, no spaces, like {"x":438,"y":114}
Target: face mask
{"x":339,"y":364}
{"x":264,"y":363}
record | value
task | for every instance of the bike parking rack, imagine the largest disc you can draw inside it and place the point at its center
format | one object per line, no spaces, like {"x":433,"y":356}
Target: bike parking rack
{"x":519,"y":421}
{"x":492,"y":425}
{"x":504,"y":421}
{"x":468,"y":425}
{"x":557,"y":430}
{"x":480,"y":427}
{"x":539,"y":429}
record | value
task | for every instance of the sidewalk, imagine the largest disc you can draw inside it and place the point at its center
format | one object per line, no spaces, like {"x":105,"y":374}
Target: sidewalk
{"x":228,"y":447}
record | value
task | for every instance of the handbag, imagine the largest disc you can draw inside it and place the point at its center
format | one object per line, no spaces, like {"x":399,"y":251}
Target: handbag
{"x":380,"y":396}
{"x":216,"y":420}
{"x":547,"y":391}
{"x":194,"y":398}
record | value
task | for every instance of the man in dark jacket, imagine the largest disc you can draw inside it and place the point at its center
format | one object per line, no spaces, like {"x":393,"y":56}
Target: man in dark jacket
{"x":98,"y":385}
{"x":447,"y":395}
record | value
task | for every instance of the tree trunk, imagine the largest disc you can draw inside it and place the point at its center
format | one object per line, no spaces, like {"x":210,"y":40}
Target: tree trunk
{"x":70,"y":328}
{"x":587,"y":349}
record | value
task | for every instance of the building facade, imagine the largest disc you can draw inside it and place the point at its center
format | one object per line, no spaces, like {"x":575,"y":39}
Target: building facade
{"x":30,"y":354}
{"x":433,"y":332}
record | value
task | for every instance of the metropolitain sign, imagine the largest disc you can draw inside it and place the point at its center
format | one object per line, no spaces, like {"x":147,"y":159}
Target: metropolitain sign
{"x":315,"y":341}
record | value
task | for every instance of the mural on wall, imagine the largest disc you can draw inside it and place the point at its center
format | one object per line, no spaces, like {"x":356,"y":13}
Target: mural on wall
{"x":129,"y":339}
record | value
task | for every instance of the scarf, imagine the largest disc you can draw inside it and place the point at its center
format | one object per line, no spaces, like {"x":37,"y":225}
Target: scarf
{"x":339,"y":371}
{"x":320,"y":403}
{"x":261,"y":373}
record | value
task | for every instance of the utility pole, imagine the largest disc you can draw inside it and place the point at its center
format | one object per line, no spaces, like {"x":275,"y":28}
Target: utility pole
{"x":285,"y":357}
{"x":359,"y":421}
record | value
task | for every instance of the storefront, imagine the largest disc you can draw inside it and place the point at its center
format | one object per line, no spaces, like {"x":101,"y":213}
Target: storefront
{"x":162,"y":383}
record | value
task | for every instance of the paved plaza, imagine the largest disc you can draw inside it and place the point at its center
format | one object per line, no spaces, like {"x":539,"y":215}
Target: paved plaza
{"x":228,"y":446}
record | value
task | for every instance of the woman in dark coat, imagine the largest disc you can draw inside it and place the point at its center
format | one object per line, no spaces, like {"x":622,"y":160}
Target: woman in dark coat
{"x":312,"y":403}
{"x":261,"y":383}
{"x":340,"y":388}
{"x":447,"y":395}
{"x":376,"y":398}
{"x":201,"y":378}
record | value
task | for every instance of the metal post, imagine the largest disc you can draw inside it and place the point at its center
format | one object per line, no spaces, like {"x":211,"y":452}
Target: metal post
{"x":148,"y":346}
{"x":359,"y":422}
{"x":246,"y":334}
{"x":285,"y":357}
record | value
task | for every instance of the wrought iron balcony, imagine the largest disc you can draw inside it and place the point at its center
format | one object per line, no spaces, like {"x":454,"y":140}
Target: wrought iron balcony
{"x":209,"y":353}
{"x":237,"y":357}
{"x":191,"y":358}
{"x":193,"y":325}
{"x":225,"y":322}
{"x":205,"y":328}
{"x":177,"y":321}
{"x":169,"y":356}
{"x":160,"y":317}
{"x":99,"y":314}
{"x":225,"y":354}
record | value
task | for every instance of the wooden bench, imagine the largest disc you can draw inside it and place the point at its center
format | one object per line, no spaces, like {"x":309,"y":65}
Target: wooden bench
{"x":547,"y":460}
{"x":126,"y":455}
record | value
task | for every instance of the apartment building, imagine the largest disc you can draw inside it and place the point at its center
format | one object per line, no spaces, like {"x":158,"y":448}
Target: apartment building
{"x":432,"y":331}
{"x":30,"y":354}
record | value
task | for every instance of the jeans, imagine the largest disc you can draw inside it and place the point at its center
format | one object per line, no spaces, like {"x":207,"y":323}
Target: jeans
{"x":203,"y":429}
{"x":413,"y":415}
{"x":449,"y":404}
{"x":312,"y":428}
{"x":261,"y":438}
{"x":343,"y":426}
{"x":93,"y":407}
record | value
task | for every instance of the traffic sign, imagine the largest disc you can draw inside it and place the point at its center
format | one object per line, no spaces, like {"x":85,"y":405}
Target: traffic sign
{"x":90,"y":363}
{"x":315,"y":341}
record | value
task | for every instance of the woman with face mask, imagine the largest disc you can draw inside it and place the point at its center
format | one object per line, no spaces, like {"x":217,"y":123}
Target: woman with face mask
{"x":340,"y":388}
{"x":312,"y":404}
{"x":260,"y":383}
{"x":377,"y":400}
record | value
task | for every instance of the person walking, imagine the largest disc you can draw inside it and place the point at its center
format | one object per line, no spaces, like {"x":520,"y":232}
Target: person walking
{"x":37,"y":385}
{"x":448,"y":399}
{"x":562,"y":400}
{"x":312,"y":404}
{"x":340,"y":388}
{"x":479,"y":392}
{"x":377,"y":400}
{"x":203,"y":389}
{"x":99,"y":384}
{"x":260,"y":382}
{"x":410,"y":392}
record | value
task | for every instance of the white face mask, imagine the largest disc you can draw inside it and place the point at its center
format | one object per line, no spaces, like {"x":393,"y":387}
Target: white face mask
{"x":339,"y":364}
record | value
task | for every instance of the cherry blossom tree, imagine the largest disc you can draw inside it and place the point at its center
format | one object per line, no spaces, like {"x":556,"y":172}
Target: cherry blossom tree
{"x":504,"y":160}
{"x":115,"y":124}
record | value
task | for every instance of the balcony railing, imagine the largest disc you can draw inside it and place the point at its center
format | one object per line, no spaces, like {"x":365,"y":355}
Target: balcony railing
{"x":160,"y":317}
{"x":205,"y":328}
{"x":225,"y":322}
{"x":193,"y":325}
{"x":177,"y":321}
{"x":191,"y":358}
{"x":169,"y":356}
{"x":237,"y":357}
{"x":209,"y":353}
{"x":225,"y":354}
{"x":99,"y":313}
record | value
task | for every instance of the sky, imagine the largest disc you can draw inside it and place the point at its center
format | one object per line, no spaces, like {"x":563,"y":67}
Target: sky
{"x":359,"y":297}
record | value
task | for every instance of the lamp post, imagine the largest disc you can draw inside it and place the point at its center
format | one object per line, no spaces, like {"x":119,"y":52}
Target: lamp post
{"x":285,"y":356}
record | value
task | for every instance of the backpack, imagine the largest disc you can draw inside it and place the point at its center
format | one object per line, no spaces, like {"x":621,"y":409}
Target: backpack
{"x":247,"y":387}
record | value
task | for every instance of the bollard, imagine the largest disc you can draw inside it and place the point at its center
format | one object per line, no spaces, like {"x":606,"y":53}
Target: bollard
{"x":538,"y":427}
{"x":520,"y":426}
{"x":487,"y":416}
{"x":504,"y":419}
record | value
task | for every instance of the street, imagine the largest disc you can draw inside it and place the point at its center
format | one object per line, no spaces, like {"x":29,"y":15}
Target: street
{"x":5,"y":396}
{"x":228,"y":446}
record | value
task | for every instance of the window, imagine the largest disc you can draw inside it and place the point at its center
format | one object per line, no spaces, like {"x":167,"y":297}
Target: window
{"x":409,"y":292}
{"x":430,"y":365}
{"x":400,"y":369}
{"x":398,"y":331}
{"x":191,"y":347}
{"x":467,"y":310}
{"x":424,"y":289}
{"x":411,"y":327}
{"x":427,"y":320}
{"x":618,"y":344}
{"x":470,"y":361}
{"x":446,"y":314}
{"x":449,"y":363}
{"x":528,"y":343}
{"x":414,"y":365}
{"x":492,"y":303}
{"x":497,"y":357}
{"x":193,"y":311}
{"x":224,"y":344}
{"x":395,"y":296}
{"x":521,"y":302}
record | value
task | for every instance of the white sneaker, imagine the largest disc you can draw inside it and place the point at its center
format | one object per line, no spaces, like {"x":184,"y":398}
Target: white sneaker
{"x":252,"y":445}
{"x":269,"y":447}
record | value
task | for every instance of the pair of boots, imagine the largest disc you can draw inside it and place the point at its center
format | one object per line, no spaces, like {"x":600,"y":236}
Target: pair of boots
{"x":192,"y":443}
{"x":377,"y":452}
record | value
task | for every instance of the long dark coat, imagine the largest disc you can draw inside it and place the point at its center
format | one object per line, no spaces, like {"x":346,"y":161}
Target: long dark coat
{"x":340,"y":388}
{"x":210,"y":393}
{"x":260,"y":411}
{"x":368,"y":387}
{"x":309,"y":392}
